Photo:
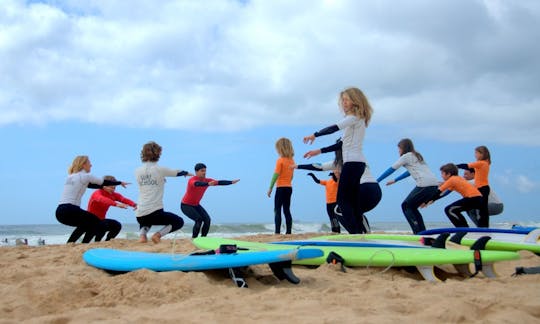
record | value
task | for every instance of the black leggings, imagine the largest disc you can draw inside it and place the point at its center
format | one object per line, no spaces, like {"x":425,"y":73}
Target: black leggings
{"x":368,"y":197}
{"x":160,"y":217}
{"x":483,"y":219}
{"x":334,"y":219}
{"x":199,"y":215}
{"x":282,"y":199}
{"x":84,"y":222}
{"x":410,"y":205}
{"x":112,"y":228}
{"x":348,"y":191}
{"x":453,"y":211}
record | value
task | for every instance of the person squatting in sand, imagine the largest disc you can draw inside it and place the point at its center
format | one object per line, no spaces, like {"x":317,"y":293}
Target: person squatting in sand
{"x":191,"y":202}
{"x":151,"y":180}
{"x":69,"y":211}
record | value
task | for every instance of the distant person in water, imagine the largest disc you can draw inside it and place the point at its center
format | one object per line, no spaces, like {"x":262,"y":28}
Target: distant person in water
{"x":69,"y":211}
{"x":191,"y":206}
{"x":99,"y":204}
{"x":151,"y":180}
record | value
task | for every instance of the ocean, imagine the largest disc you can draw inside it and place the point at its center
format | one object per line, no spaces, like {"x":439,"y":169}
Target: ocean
{"x":40,"y":234}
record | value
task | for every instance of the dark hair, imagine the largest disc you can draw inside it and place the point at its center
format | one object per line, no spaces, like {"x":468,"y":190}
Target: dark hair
{"x":450,"y":168}
{"x":151,"y":152}
{"x":406,"y":145}
{"x":199,"y":166}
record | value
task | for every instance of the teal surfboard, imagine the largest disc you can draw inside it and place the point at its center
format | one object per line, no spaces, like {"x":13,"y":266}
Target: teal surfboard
{"x":422,"y":258}
{"x":118,"y":261}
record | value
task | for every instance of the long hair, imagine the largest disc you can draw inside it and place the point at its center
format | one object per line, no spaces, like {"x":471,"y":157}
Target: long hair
{"x":361,"y":106}
{"x":406,"y":145}
{"x":284,"y":147}
{"x":78,"y":164}
{"x":483,"y":150}
{"x":151,"y":152}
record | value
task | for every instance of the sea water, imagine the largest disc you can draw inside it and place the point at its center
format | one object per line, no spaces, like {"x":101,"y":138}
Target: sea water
{"x":58,"y":233}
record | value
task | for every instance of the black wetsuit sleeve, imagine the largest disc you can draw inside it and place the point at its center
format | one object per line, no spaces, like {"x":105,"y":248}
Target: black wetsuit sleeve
{"x":464,"y":166}
{"x":181,"y":173}
{"x":326,"y":131}
{"x":224,"y":182}
{"x":105,"y":184}
{"x":332,"y":148}
{"x":314,"y":178}
{"x":308,"y":167}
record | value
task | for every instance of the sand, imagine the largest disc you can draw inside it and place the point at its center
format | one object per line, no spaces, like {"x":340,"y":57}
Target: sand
{"x":52,"y":284}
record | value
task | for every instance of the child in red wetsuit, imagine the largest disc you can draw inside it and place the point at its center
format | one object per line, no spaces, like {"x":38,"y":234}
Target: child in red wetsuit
{"x":481,"y":172}
{"x":472,"y":198}
{"x":282,"y":178}
{"x":99,"y":204}
{"x":191,"y":206}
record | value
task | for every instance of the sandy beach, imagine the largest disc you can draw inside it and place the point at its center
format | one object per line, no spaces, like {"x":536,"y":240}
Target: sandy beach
{"x":52,"y":284}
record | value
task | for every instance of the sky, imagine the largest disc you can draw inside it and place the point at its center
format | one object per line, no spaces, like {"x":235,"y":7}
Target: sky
{"x":220,"y":81}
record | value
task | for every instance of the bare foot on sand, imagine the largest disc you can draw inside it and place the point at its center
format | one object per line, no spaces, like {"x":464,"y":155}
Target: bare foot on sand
{"x":156,"y":238}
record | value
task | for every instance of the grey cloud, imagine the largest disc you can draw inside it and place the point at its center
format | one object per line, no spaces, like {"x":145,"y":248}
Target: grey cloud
{"x":244,"y":65}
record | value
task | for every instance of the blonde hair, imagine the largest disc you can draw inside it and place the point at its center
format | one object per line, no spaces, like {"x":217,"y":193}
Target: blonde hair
{"x":78,"y":164}
{"x":362,"y":108}
{"x":284,"y":147}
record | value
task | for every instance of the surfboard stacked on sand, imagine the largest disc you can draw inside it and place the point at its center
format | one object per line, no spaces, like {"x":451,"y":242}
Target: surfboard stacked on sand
{"x":386,"y":253}
{"x":467,"y":250}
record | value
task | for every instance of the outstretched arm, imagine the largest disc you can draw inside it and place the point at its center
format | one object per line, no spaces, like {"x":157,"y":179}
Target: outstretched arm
{"x":311,"y":167}
{"x":314,"y":178}
{"x":325,"y":131}
{"x":385,"y":174}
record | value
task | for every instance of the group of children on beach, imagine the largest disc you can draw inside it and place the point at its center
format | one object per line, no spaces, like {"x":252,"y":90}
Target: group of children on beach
{"x":350,"y":192}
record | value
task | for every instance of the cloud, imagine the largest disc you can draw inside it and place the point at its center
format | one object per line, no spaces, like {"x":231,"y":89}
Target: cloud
{"x":524,"y":184}
{"x":519,"y":182}
{"x":449,"y":69}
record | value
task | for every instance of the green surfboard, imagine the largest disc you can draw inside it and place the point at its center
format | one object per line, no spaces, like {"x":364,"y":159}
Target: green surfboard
{"x":422,"y":258}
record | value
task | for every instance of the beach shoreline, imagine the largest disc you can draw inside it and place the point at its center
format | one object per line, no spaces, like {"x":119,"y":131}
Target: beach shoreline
{"x":52,"y":284}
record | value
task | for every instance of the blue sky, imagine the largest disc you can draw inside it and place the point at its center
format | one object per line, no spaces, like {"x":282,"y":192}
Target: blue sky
{"x":220,"y":81}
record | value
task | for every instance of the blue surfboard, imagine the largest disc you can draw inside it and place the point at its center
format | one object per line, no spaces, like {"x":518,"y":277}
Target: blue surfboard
{"x":124,"y":261}
{"x":473,"y":230}
{"x":524,"y":228}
